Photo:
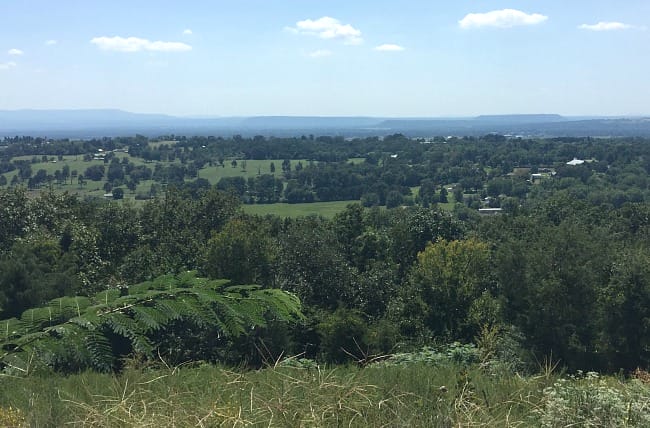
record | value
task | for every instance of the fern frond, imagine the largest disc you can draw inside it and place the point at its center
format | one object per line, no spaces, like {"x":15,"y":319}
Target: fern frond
{"x":101,"y":352}
{"x":73,"y":333}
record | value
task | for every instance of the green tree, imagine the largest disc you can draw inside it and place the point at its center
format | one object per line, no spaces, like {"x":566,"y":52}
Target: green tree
{"x":625,"y":335}
{"x":311,"y":264}
{"x":443,"y":195}
{"x":242,"y":252}
{"x":94,"y":173}
{"x":31,"y":274}
{"x":427,"y":193}
{"x":118,"y":193}
{"x":14,"y":215}
{"x":449,"y":291}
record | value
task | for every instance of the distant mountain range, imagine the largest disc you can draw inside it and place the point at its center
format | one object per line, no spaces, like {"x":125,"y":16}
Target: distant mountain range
{"x":100,"y":123}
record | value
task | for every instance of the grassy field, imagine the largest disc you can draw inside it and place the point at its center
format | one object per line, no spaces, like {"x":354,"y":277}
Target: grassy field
{"x":96,"y":188}
{"x":326,"y":209}
{"x":253,"y":168}
{"x":417,"y":395}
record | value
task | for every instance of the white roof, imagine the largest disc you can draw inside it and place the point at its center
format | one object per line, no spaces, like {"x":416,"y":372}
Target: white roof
{"x":575,"y":161}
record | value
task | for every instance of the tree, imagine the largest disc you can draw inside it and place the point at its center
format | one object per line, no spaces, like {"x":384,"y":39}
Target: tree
{"x":272,"y":168}
{"x":242,"y":252}
{"x":311,"y":264}
{"x":427,"y":193}
{"x":31,"y":274}
{"x":394,"y":199}
{"x":550,"y":276}
{"x":15,"y":215}
{"x":65,"y":172}
{"x":443,"y":195}
{"x":370,"y":200}
{"x":449,"y":291}
{"x":94,"y":173}
{"x":118,"y":193}
{"x":237,"y":185}
{"x":625,"y":336}
{"x":115,"y":171}
{"x":286,"y":166}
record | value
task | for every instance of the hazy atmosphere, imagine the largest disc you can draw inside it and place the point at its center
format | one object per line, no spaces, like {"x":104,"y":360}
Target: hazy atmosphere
{"x":375,"y":58}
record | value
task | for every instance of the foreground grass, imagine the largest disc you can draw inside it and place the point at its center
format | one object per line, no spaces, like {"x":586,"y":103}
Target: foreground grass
{"x":412,"y":396}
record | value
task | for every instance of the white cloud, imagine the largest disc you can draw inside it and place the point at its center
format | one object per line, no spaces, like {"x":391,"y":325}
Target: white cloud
{"x":136,"y":44}
{"x":389,"y":47}
{"x":321,"y":53}
{"x":187,"y":32}
{"x":50,"y":42}
{"x":504,"y":18}
{"x":7,"y":65}
{"x":328,"y":28}
{"x":606,"y":26}
{"x":15,"y":52}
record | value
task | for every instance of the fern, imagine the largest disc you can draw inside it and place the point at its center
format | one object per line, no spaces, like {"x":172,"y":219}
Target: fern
{"x":75,"y":333}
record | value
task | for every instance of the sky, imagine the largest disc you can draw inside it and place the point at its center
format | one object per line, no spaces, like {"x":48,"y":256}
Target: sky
{"x":407,"y":58}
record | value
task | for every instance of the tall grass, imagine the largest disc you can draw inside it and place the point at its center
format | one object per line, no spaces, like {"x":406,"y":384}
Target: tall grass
{"x":415,"y":395}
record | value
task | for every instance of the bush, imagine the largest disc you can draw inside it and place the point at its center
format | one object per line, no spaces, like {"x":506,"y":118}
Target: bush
{"x":590,"y":400}
{"x":343,"y":336}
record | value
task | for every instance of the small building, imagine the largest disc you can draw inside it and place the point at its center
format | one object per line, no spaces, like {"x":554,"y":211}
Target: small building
{"x":490,"y":211}
{"x":575,"y":161}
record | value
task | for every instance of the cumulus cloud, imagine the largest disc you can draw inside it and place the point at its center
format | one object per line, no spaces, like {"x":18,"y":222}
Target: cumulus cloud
{"x":389,"y":47}
{"x":50,"y":42}
{"x":7,"y":65}
{"x":136,"y":44}
{"x":504,"y":18}
{"x":328,"y":28}
{"x":606,"y":26}
{"x":187,"y":32}
{"x":321,"y":53}
{"x":15,"y":52}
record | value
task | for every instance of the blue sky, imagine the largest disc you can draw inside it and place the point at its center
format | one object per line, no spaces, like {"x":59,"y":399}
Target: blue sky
{"x":411,"y":58}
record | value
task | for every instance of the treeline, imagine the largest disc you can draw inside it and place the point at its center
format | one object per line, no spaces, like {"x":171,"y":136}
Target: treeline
{"x":556,"y":276}
{"x":489,"y":171}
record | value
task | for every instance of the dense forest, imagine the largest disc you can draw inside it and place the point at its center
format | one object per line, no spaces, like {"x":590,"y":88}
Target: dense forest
{"x":562,"y":270}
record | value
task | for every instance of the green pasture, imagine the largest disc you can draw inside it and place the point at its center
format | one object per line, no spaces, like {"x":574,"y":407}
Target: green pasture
{"x":325,"y":209}
{"x":244,"y":168}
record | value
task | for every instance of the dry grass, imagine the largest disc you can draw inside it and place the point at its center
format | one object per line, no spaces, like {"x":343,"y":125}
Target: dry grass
{"x":209,"y":396}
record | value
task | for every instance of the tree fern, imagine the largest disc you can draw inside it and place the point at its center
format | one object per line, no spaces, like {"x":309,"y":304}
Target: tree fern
{"x":75,"y":333}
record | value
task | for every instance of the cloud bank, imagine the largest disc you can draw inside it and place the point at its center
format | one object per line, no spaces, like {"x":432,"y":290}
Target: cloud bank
{"x":505,"y":18}
{"x":136,"y":44}
{"x":328,"y":28}
{"x":606,"y":26}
